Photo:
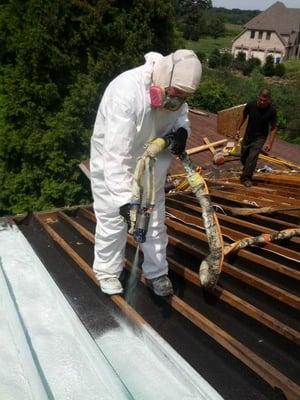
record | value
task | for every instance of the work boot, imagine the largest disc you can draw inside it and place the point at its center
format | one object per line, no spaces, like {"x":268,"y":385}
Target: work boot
{"x":161,"y":286}
{"x":111,"y":286}
{"x":247,"y":183}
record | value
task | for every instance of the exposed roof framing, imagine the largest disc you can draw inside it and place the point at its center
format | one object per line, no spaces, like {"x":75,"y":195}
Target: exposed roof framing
{"x":251,"y":320}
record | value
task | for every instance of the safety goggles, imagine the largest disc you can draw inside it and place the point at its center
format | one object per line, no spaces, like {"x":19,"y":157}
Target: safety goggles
{"x":174,"y":99}
{"x":173,"y":103}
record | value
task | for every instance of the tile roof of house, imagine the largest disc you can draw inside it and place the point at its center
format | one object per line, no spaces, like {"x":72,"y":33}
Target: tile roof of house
{"x":277,"y":18}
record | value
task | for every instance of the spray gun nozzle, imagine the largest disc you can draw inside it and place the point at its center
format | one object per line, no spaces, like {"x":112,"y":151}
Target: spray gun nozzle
{"x":141,"y":226}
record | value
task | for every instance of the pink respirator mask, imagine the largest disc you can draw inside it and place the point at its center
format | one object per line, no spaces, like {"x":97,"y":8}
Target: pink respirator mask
{"x":159,"y":99}
{"x":157,"y":96}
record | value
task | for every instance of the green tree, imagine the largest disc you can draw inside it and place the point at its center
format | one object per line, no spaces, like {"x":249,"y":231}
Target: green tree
{"x":216,"y":27}
{"x":279,"y":70}
{"x":214,"y":60}
{"x":250,"y":65}
{"x":56,"y":58}
{"x":240,"y":61}
{"x":268,"y":67}
{"x":189,"y":15}
{"x":234,"y":16}
{"x":212,"y":96}
{"x":226,"y":60}
{"x":203,"y":24}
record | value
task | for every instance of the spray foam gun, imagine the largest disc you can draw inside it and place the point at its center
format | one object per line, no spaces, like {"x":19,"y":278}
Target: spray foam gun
{"x":143,"y":190}
{"x":142,"y":203}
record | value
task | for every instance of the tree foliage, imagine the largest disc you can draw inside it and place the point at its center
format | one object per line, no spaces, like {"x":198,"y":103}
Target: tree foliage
{"x":216,"y":27}
{"x":268,"y":67}
{"x":190,"y":17}
{"x":214,"y":60}
{"x":279,"y":70}
{"x":56,"y":57}
{"x":240,"y":61}
{"x":250,"y":65}
{"x":240,"y":90}
{"x":235,"y":15}
{"x":226,"y":59}
{"x":212,"y":96}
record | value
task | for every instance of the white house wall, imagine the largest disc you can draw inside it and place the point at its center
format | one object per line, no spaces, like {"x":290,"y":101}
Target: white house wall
{"x":260,"y":48}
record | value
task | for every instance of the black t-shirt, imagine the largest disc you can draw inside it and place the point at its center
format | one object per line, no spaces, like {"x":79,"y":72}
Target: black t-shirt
{"x":259,"y":120}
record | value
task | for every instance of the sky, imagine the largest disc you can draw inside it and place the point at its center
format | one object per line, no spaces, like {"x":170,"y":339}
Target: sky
{"x":253,"y":4}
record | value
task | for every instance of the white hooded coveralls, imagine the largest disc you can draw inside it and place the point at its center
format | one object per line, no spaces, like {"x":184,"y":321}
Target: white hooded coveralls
{"x":124,"y":124}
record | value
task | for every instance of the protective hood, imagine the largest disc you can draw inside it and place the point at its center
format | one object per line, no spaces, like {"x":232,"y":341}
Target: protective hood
{"x":181,"y":70}
{"x":151,"y":59}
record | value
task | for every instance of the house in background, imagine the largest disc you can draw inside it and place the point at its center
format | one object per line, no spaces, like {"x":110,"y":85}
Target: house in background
{"x":275,"y":31}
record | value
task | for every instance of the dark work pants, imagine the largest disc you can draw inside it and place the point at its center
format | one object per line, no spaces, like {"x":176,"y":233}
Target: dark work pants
{"x":249,"y":156}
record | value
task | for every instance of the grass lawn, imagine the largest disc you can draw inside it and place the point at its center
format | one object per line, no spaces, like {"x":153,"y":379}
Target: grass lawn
{"x":292,"y":65}
{"x":292,"y":68}
{"x":208,"y":44}
{"x":234,"y":28}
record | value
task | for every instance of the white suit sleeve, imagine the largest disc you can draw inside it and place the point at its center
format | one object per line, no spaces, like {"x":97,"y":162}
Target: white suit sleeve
{"x":182,"y":120}
{"x":119,"y":137}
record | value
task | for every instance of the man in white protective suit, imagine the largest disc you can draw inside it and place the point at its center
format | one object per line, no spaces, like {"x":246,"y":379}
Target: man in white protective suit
{"x":138,"y":105}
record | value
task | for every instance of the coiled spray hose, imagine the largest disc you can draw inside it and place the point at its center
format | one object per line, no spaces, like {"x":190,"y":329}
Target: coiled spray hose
{"x":143,"y":201}
{"x":142,"y":204}
{"x":143,"y":190}
{"x":211,"y":266}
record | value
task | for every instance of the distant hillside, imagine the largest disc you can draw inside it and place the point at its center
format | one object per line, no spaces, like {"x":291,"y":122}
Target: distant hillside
{"x":234,"y":16}
{"x":195,"y":22}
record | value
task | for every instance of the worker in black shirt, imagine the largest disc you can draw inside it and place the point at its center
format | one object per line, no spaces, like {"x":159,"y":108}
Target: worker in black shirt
{"x":260,"y":133}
